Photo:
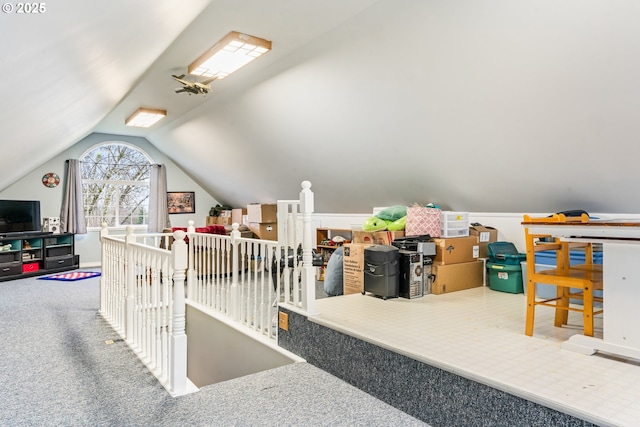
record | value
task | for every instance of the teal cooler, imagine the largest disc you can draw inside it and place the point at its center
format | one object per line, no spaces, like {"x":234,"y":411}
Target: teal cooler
{"x":504,"y":268}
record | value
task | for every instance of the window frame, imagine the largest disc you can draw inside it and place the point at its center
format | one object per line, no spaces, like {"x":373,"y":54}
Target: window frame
{"x":118,"y":183}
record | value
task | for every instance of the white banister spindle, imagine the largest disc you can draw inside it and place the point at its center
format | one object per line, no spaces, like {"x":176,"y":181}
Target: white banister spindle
{"x":191,"y":229}
{"x":308,"y":279}
{"x":234,"y":294}
{"x":130,"y":285}
{"x":178,"y":376}
{"x":104,"y":232}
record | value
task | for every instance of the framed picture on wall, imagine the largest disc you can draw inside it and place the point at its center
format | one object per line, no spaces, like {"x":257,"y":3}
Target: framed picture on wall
{"x":181,"y":202}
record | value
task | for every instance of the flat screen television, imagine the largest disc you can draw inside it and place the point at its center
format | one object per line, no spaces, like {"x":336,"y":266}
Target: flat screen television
{"x":19,"y":216}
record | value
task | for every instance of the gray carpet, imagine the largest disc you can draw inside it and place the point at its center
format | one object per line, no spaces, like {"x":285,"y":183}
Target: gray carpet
{"x":56,"y":369}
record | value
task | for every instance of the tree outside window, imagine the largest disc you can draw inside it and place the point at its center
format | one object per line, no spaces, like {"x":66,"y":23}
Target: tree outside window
{"x":115,"y":185}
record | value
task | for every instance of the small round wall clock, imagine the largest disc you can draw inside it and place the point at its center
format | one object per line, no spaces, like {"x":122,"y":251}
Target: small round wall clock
{"x":50,"y":179}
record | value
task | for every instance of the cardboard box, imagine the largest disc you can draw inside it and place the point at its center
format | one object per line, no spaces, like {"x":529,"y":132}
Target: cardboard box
{"x":223,"y":220}
{"x":456,"y":277}
{"x":353,"y":267}
{"x":455,"y":250}
{"x":218,"y":220}
{"x":376,"y":237}
{"x":260,"y":213}
{"x":265,"y":231}
{"x":485,"y":236}
{"x":237,"y":214}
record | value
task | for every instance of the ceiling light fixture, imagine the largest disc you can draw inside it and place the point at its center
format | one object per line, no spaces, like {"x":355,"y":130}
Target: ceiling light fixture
{"x":232,"y":52}
{"x":145,"y":117}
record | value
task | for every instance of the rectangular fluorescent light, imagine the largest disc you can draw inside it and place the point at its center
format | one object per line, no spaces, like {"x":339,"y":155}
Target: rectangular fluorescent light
{"x":145,"y":117}
{"x":234,"y":51}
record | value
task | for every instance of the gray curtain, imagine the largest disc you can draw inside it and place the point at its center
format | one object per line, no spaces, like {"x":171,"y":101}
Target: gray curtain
{"x":72,"y":212}
{"x":158,"y":212}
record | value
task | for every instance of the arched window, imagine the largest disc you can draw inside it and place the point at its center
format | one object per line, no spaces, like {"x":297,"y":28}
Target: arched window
{"x":115,"y":185}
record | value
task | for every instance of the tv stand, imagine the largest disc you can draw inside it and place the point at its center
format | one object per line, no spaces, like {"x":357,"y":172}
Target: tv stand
{"x":36,"y":254}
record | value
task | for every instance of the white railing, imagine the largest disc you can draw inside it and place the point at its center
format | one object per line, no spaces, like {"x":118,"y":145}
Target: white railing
{"x":247,"y":279}
{"x":142,"y":293}
{"x":235,"y":277}
{"x":142,"y":296}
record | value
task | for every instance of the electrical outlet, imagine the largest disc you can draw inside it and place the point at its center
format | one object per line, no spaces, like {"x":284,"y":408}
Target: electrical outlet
{"x":283,"y":320}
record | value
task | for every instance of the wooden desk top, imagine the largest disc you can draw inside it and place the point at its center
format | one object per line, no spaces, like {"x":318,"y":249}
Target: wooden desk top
{"x":610,"y":230}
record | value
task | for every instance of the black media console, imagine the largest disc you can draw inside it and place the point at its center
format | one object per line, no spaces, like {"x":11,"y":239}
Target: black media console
{"x":35,"y":254}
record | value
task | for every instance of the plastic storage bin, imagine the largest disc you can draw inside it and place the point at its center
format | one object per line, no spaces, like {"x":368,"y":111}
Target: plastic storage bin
{"x":505,"y":277}
{"x":575,"y":257}
{"x":504,"y":253}
{"x":454,"y":224}
{"x":504,"y":269}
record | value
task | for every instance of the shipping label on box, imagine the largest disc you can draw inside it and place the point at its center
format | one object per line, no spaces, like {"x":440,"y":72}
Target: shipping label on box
{"x":456,"y":277}
{"x":485,"y":236}
{"x":261,"y":213}
{"x":376,"y":237}
{"x":353,"y":267}
{"x":457,"y":249}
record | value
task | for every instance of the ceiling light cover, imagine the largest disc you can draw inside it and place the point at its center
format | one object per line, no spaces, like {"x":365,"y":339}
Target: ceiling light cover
{"x":145,"y":117}
{"x":234,"y":51}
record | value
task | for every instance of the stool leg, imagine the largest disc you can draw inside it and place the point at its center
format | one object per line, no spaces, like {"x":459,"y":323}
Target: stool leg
{"x":562,"y":306}
{"x":531,"y":302}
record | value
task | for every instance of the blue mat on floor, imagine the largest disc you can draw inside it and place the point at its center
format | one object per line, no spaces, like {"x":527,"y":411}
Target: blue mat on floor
{"x":70,"y":277}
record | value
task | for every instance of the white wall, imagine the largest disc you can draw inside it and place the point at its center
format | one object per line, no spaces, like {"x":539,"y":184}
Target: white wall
{"x":30,"y":187}
{"x":209,"y":362}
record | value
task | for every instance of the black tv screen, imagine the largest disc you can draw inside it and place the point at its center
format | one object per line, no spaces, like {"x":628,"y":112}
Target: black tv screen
{"x":18,"y":216}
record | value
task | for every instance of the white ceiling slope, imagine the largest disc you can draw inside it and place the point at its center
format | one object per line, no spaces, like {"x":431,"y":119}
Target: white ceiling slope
{"x":507,"y":106}
{"x":65,"y":69}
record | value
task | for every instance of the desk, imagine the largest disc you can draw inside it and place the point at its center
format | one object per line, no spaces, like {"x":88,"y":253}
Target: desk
{"x":621,"y":276}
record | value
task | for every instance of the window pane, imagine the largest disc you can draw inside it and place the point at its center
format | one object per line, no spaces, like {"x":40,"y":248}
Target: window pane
{"x":115,"y":186}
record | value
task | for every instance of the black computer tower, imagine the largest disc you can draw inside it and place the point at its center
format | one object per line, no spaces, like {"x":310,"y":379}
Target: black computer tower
{"x":411,"y":274}
{"x":381,"y":271}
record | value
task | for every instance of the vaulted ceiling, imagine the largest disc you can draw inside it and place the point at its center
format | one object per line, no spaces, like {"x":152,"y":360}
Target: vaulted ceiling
{"x":505,"y":106}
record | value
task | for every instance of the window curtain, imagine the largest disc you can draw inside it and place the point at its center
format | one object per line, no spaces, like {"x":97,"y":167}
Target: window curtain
{"x":72,"y":212}
{"x":158,"y":211}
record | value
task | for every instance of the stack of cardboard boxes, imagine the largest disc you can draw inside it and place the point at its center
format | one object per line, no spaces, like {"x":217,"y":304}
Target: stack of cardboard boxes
{"x":227,"y":217}
{"x":456,"y":265}
{"x":263,"y":220}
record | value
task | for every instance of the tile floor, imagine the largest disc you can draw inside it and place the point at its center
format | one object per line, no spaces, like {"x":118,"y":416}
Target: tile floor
{"x":479,"y":334}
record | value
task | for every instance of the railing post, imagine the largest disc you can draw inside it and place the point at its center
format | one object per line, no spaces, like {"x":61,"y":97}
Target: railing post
{"x":308,"y":276}
{"x":178,"y":356}
{"x":130,"y":284}
{"x":234,"y":297}
{"x":104,"y":263}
